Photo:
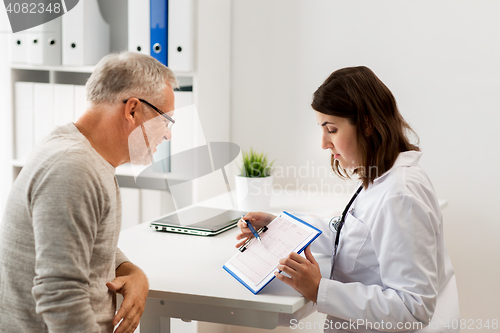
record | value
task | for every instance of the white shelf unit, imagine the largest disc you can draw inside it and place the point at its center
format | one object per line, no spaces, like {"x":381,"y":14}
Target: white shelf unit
{"x":209,"y":79}
{"x":71,"y":69}
{"x":38,"y":74}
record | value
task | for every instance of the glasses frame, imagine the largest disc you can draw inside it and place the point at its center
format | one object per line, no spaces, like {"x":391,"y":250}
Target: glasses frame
{"x":163,"y":114}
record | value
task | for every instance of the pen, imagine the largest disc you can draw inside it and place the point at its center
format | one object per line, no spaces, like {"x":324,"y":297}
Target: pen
{"x":252,"y":229}
{"x":244,"y":246}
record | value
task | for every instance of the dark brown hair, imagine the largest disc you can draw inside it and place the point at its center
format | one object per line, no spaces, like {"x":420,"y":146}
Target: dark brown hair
{"x":358,"y":94}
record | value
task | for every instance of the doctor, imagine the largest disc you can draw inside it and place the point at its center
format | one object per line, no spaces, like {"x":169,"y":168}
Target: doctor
{"x":390,"y":268}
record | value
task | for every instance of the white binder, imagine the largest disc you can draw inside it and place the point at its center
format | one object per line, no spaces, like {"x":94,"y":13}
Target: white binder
{"x":44,"y":110}
{"x":23,"y":119}
{"x":85,"y":35}
{"x":80,"y":99}
{"x":19,"y":48}
{"x":180,"y":35}
{"x":64,"y":104}
{"x":44,"y":44}
{"x":138,"y":26}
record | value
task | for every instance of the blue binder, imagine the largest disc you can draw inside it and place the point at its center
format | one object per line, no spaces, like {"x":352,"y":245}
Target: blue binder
{"x":159,"y":33}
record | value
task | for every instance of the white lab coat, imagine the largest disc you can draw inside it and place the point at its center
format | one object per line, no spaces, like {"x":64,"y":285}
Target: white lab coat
{"x":392,"y":265}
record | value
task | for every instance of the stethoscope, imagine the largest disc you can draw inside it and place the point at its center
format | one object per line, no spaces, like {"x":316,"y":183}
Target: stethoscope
{"x":337,"y":222}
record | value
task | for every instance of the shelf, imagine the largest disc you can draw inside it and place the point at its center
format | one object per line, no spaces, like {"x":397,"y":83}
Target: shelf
{"x":18,"y":163}
{"x":125,"y":176}
{"x":126,"y":170}
{"x":82,"y":69}
{"x":78,"y":69}
{"x":149,"y":179}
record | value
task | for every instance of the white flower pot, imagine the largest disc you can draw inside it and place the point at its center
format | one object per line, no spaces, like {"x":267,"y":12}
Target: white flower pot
{"x":253,"y":194}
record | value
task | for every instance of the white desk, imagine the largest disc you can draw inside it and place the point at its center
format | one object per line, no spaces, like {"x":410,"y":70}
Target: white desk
{"x":187,"y":280}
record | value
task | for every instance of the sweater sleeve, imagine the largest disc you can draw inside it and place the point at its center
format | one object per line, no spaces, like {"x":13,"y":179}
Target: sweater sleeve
{"x":404,"y":237}
{"x":120,"y":258}
{"x":66,"y":204}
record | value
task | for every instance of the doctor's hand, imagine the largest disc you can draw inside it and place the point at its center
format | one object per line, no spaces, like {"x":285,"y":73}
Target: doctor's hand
{"x":258,"y":220}
{"x":304,"y":273}
{"x":133,"y":284}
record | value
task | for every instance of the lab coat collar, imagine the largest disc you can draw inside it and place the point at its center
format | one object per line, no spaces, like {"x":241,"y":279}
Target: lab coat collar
{"x":404,"y":159}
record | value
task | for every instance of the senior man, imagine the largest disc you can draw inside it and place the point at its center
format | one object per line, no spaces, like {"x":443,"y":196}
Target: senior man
{"x":60,"y":267}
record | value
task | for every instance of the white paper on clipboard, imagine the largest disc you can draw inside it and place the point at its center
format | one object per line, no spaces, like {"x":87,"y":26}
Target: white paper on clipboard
{"x":255,"y":267}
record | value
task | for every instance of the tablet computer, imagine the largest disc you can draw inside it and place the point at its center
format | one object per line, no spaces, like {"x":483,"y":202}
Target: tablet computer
{"x":198,"y":220}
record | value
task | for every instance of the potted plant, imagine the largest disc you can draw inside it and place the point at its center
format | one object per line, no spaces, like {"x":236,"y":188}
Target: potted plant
{"x":254,"y":184}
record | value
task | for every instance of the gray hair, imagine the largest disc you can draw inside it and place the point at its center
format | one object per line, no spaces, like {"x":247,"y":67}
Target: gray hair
{"x":129,"y":74}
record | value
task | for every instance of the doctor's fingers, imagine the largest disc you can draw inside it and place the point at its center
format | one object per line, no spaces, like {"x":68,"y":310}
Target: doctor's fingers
{"x":293,"y":264}
{"x":239,"y":244}
{"x":299,"y":263}
{"x":295,"y":279}
{"x":284,"y":278}
{"x":243,"y":236}
{"x":288,"y":270}
{"x":309,"y":256}
{"x":243,"y":226}
{"x":259,"y":219}
{"x":244,"y":233}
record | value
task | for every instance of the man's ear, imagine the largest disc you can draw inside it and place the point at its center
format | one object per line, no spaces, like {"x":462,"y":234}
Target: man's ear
{"x":131,"y":109}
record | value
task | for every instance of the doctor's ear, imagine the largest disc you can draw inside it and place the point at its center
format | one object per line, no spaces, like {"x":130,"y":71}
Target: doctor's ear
{"x":368,"y":127}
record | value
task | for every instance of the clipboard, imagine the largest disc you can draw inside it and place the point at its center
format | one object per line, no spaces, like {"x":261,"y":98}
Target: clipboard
{"x":254,"y":268}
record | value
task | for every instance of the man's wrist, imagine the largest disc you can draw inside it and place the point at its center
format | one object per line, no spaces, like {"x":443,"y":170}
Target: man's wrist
{"x":125,"y":268}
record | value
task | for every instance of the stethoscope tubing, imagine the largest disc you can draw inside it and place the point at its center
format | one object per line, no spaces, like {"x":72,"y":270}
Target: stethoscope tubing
{"x":340,"y":224}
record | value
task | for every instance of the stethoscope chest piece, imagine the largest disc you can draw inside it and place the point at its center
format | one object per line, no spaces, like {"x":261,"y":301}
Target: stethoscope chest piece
{"x":334,"y":223}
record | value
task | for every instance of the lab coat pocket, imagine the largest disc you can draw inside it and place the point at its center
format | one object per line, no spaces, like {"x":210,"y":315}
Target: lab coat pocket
{"x":352,"y":238}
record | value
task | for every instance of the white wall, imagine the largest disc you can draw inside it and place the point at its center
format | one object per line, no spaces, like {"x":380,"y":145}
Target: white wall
{"x":6,"y":123}
{"x":441,"y":59}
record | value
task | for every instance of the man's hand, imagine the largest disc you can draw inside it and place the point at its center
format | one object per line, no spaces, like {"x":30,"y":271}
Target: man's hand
{"x":133,"y":284}
{"x":304,"y":273}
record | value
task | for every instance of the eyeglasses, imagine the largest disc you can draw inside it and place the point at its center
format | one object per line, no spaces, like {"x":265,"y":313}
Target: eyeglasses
{"x":171,"y":121}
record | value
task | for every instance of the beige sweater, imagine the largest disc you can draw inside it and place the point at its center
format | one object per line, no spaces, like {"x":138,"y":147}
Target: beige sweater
{"x":58,"y":240}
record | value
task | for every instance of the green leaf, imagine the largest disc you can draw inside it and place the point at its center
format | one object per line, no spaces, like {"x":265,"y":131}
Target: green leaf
{"x":255,"y":164}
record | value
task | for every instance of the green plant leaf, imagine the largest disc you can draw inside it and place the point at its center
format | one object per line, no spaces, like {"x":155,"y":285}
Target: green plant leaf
{"x":255,"y":164}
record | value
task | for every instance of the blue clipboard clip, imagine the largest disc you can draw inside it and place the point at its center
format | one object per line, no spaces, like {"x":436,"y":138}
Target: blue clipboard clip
{"x":244,"y":246}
